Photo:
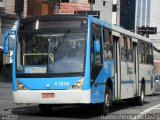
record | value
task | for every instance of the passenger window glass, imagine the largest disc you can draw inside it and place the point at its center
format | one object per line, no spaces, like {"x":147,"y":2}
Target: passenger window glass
{"x":108,"y":46}
{"x":96,"y":57}
{"x":128,"y":43}
{"x":126,"y":49}
{"x":122,"y":42}
{"x":141,"y":55}
{"x":123,"y":55}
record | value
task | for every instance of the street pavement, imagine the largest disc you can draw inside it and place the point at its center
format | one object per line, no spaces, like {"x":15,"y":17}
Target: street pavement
{"x":120,"y":110}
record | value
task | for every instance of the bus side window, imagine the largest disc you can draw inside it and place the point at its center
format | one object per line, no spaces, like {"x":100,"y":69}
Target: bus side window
{"x":129,"y":50}
{"x":123,"y":48}
{"x":126,"y":49}
{"x":149,"y":54}
{"x":141,"y":54}
{"x":108,"y":46}
{"x":96,"y":57}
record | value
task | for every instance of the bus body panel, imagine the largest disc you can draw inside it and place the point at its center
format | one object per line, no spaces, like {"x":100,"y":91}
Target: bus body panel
{"x":127,"y":80}
{"x":87,"y":66}
{"x":98,"y":87}
{"x":60,"y":96}
{"x":143,"y":69}
{"x":62,"y":83}
{"x":100,"y":22}
{"x":14,"y":58}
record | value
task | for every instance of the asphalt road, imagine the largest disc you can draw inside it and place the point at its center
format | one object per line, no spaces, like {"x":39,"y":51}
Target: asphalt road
{"x":121,"y":110}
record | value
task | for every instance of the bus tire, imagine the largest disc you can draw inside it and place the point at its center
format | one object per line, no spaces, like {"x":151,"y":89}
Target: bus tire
{"x":107,"y":102}
{"x":140,"y":99}
{"x":45,"y":108}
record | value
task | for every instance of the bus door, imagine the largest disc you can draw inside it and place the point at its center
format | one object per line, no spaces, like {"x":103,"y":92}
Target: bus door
{"x":117,"y":67}
{"x":96,"y":69}
{"x":136,"y":68}
{"x":127,"y":67}
{"x":97,"y":73}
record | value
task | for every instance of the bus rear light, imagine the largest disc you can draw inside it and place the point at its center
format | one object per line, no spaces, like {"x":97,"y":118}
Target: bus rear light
{"x":78,"y":84}
{"x":20,"y":86}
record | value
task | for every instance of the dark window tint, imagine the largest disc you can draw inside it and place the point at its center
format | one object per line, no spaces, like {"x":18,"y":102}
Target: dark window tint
{"x":145,"y":53}
{"x":108,"y":46}
{"x":126,"y":49}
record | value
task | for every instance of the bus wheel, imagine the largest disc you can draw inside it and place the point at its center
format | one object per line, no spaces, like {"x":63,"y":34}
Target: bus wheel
{"x":140,"y":99}
{"x":45,"y":108}
{"x":107,"y":102}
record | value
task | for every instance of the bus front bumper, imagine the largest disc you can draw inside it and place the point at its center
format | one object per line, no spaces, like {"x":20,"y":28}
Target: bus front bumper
{"x":60,"y":96}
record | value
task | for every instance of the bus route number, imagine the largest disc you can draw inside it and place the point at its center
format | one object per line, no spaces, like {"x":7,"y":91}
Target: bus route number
{"x":61,"y":83}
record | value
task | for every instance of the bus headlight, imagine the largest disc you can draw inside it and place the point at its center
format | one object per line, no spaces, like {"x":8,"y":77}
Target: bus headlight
{"x":78,"y":84}
{"x":20,"y":86}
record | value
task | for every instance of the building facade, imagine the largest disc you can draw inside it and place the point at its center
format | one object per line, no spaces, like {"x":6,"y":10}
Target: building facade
{"x":154,"y":22}
{"x":134,"y":14}
{"x":127,"y":14}
{"x":7,"y":21}
{"x":105,"y":8}
{"x":48,"y":7}
{"x":116,"y":12}
{"x":143,"y":12}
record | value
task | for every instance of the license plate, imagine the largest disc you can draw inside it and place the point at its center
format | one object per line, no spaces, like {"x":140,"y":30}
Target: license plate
{"x":48,"y":95}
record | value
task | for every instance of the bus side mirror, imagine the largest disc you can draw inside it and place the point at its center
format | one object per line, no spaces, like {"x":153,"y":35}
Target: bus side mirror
{"x":6,"y":43}
{"x":97,"y":46}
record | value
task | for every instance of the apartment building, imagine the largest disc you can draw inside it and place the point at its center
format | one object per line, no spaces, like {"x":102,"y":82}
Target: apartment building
{"x":48,"y":7}
{"x":8,"y":17}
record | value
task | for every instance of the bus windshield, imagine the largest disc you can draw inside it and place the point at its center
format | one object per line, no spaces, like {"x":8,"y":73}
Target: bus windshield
{"x":51,"y":53}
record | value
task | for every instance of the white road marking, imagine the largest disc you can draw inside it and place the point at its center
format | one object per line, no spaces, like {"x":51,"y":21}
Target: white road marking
{"x":146,"y":111}
{"x":155,"y":98}
{"x":157,"y":108}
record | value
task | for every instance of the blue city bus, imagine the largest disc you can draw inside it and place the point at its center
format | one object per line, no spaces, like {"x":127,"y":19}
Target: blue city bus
{"x":75,"y":59}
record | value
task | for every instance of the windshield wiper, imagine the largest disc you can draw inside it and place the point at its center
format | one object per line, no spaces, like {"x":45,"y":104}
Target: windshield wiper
{"x":63,"y":39}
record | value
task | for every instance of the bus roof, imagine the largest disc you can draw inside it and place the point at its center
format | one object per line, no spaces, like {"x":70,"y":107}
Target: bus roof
{"x":119,"y":30}
{"x":129,"y":33}
{"x":116,"y":29}
{"x":56,"y":17}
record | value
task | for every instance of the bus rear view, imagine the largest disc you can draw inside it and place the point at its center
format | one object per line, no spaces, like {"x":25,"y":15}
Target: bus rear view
{"x":50,"y":61}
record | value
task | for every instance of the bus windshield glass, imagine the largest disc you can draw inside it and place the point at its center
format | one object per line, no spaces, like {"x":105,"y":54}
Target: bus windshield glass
{"x":51,"y":53}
